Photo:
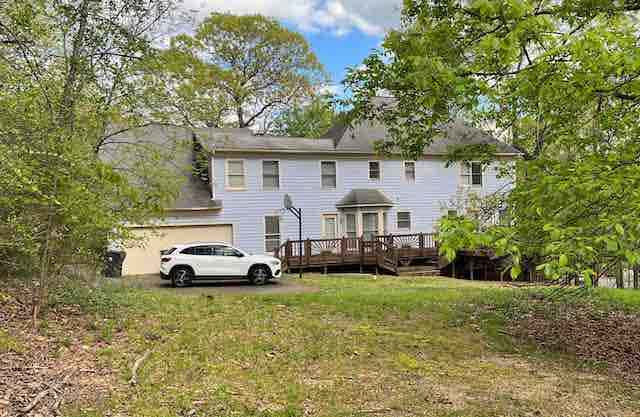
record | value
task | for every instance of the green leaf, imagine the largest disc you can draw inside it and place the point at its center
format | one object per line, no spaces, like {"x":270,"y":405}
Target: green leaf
{"x":564,"y":260}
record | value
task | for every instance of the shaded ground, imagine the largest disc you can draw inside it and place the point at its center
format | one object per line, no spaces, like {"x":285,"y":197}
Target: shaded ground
{"x":355,"y":346}
{"x":591,"y":331}
{"x":285,"y":285}
{"x":43,"y":373}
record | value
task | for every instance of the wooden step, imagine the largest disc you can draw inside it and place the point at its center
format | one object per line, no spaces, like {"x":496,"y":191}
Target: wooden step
{"x":419,"y":271}
{"x":414,"y":268}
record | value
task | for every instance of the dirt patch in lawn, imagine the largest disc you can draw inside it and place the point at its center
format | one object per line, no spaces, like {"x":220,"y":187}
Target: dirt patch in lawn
{"x":601,"y":337}
{"x":43,"y":372}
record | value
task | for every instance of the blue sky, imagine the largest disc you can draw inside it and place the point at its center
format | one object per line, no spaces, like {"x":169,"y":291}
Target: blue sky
{"x":337,"y":54}
{"x":341,"y":32}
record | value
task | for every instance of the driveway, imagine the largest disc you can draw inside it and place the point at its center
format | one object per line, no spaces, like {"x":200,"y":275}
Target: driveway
{"x":284,"y":285}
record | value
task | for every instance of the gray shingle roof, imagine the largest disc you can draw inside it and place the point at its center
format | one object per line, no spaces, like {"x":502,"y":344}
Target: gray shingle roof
{"x":244,"y":140}
{"x":362,"y":137}
{"x":340,"y":139}
{"x":126,"y":149}
{"x":363,"y":198}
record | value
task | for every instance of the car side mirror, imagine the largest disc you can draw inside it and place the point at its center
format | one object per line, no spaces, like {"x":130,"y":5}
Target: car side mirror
{"x":240,"y":255}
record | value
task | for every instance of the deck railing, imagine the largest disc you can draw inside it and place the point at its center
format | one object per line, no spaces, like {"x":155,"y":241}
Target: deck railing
{"x":384,"y":251}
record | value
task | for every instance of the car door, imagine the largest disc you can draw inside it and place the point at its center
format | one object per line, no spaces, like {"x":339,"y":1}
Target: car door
{"x":196,"y":257}
{"x":229,"y":262}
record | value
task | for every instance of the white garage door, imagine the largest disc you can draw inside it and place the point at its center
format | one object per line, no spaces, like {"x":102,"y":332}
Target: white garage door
{"x":144,"y":258}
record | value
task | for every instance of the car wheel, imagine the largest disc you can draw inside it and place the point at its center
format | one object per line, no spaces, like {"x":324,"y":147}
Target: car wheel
{"x":259,"y":275}
{"x":181,"y":277}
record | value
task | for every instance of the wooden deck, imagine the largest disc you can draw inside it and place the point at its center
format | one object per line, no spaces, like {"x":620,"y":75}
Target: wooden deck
{"x":387,"y":252}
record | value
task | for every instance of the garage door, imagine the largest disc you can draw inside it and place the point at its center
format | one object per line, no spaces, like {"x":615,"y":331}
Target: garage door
{"x":144,"y":258}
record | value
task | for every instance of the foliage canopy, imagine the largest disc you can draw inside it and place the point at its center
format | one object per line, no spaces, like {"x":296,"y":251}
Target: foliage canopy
{"x":561,"y":78}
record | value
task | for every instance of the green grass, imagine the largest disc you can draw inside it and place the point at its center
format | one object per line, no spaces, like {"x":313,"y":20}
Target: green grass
{"x":358,"y":346}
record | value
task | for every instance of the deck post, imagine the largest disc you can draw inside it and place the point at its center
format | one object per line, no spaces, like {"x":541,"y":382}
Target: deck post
{"x":471,"y":267}
{"x":361,"y":243}
{"x":343,"y":248}
{"x":421,"y":243}
{"x":307,"y":252}
{"x":635,"y":277}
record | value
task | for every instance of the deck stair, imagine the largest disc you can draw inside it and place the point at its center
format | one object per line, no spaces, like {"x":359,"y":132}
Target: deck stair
{"x":419,"y":270}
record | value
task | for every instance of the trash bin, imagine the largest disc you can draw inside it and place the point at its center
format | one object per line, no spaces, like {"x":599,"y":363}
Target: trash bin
{"x":113,"y":263}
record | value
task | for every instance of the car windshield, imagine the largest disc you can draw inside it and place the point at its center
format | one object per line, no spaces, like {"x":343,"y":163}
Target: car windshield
{"x":167,"y":251}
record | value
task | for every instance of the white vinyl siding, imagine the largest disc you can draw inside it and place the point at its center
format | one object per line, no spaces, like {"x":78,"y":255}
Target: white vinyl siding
{"x":270,"y":175}
{"x":271,"y":233}
{"x":328,"y":174}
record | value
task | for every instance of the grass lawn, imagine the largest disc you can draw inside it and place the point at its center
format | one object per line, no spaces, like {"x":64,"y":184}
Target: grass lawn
{"x":357,"y":347}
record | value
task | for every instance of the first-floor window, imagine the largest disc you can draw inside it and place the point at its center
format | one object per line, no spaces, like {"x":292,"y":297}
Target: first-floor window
{"x":369,"y":225}
{"x":329,"y":226}
{"x":472,"y":174}
{"x":271,"y":233}
{"x":404,"y":220}
{"x":351,"y":226}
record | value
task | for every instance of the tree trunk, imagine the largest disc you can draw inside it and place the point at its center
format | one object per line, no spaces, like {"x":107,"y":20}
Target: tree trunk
{"x":619,"y":276}
{"x":69,"y":90}
{"x":635,"y":277}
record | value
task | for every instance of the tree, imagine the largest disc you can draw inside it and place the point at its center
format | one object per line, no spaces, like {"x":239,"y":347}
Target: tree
{"x":563,"y":79}
{"x":312,"y":120}
{"x":251,"y":66}
{"x":68,"y":70}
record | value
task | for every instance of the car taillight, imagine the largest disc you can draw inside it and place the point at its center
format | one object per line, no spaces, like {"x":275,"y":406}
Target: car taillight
{"x":165,"y":259}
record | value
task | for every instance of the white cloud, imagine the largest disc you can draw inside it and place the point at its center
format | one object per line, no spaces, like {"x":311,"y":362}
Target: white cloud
{"x":372,"y":17}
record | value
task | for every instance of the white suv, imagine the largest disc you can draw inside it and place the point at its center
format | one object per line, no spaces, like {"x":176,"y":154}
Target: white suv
{"x":183,"y":264}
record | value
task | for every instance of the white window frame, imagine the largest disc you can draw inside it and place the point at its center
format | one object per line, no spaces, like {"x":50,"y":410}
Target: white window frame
{"x":466,"y":178}
{"x":265,"y":234}
{"x":378,"y":214}
{"x":320,"y":166}
{"x":346,"y":226}
{"x":398,"y":220}
{"x":226,"y":174}
{"x":404,"y":171}
{"x":262,"y":175}
{"x":379,"y":179}
{"x":323,"y":231}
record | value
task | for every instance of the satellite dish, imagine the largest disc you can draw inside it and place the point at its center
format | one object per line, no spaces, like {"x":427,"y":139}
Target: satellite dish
{"x":288,"y":203}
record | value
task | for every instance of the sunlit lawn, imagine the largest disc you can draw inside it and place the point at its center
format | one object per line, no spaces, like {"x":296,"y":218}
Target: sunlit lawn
{"x":358,"y":346}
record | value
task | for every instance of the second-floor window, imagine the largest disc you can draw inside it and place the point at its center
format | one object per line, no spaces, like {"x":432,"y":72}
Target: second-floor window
{"x":235,"y":174}
{"x":472,"y":174}
{"x":410,"y":171}
{"x":270,"y":175}
{"x":374,"y":170}
{"x":328,"y":174}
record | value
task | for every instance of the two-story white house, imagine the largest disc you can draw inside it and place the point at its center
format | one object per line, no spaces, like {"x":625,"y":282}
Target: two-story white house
{"x":342,"y":186}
